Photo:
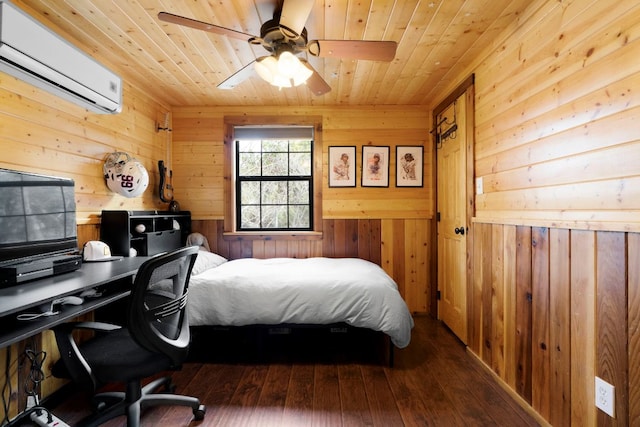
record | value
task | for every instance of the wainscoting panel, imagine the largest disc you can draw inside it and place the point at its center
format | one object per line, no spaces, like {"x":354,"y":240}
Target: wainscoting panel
{"x":551,"y":309}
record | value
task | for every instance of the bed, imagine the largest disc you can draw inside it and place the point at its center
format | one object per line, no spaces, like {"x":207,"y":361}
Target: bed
{"x":297,"y":291}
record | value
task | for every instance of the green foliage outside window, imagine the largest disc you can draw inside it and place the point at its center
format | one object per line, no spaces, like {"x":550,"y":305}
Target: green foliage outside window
{"x":274,"y":184}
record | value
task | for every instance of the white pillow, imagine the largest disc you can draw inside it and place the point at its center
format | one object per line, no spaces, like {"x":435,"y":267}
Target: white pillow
{"x":206,"y":260}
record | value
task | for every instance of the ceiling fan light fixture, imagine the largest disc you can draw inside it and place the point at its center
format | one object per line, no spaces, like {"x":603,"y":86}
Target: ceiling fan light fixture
{"x":266,"y":67}
{"x":281,"y":81}
{"x":302,"y":74}
{"x":286,"y":71}
{"x":288,"y":64}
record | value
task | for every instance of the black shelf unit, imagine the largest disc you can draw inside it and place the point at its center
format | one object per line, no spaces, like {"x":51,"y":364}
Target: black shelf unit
{"x":163,"y":231}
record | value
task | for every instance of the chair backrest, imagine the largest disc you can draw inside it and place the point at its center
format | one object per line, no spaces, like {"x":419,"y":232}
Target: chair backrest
{"x":157,"y":310}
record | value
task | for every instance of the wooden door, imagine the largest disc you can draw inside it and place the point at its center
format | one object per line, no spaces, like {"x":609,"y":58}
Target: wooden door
{"x":452,"y":224}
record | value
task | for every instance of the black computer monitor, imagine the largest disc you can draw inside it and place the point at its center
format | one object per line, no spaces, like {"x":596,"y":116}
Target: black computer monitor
{"x":37,"y":215}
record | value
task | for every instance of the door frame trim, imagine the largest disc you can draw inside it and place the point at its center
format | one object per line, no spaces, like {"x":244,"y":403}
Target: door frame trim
{"x":466,"y":87}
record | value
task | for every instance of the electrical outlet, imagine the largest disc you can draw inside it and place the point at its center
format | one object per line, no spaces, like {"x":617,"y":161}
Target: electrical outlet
{"x":605,"y":397}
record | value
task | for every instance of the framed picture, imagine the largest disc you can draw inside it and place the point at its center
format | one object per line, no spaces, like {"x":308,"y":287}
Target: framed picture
{"x":375,"y":166}
{"x":342,"y":166}
{"x":409,"y":163}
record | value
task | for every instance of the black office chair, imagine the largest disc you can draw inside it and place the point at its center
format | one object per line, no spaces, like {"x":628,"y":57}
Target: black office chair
{"x":155,"y":340}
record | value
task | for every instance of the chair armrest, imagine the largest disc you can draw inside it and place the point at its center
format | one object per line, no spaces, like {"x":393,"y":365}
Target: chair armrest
{"x":76,"y":365}
{"x":96,"y":326}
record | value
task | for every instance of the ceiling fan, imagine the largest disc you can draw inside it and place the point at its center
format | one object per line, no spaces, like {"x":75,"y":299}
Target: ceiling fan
{"x":285,"y":37}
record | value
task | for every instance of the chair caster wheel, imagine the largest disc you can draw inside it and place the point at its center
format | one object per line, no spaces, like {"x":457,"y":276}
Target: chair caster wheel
{"x":198,"y":414}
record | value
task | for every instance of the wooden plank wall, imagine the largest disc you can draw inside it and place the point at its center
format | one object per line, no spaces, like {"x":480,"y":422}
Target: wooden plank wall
{"x":399,"y":218}
{"x":198,"y":158}
{"x":557,"y":141}
{"x":45,"y":134}
{"x":563,"y":309}
{"x":555,"y":279}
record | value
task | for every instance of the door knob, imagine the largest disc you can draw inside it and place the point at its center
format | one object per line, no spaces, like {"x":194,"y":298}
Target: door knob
{"x":459,"y":230}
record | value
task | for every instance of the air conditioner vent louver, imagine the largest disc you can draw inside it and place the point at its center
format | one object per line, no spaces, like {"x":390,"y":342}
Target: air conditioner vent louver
{"x":33,"y":53}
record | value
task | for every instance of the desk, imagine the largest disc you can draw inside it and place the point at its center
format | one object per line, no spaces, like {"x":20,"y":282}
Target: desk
{"x":30,"y":295}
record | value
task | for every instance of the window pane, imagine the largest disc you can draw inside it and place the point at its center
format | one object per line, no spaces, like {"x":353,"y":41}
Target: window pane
{"x":249,"y":146}
{"x":275,"y":145}
{"x":274,"y":192}
{"x":274,"y":164}
{"x":274,"y":217}
{"x":250,"y":216}
{"x":299,"y":192}
{"x":300,"y":164}
{"x":250,"y":193}
{"x":299,"y":216}
{"x":300,"y":145}
{"x":249,"y":164}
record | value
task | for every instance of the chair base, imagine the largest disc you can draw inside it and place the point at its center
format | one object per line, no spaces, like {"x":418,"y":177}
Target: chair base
{"x":114,"y":404}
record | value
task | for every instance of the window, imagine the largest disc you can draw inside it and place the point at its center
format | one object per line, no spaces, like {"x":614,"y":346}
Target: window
{"x":274,"y":178}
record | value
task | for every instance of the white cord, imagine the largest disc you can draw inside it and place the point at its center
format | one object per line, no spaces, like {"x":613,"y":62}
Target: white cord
{"x":32,"y":316}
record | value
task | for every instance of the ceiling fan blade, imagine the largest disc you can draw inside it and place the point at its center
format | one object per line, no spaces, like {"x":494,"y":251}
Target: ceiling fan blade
{"x":238,"y":77}
{"x":354,"y":49}
{"x":316,"y":83}
{"x":294,"y":16}
{"x":204,"y":26}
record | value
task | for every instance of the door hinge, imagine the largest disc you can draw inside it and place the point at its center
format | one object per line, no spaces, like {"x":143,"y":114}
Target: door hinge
{"x":438,"y":295}
{"x":438,"y":216}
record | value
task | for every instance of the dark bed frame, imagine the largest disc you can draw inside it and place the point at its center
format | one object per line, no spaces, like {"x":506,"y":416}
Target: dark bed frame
{"x":306,"y":343}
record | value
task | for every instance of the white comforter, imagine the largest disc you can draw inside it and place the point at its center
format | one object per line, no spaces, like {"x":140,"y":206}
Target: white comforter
{"x":300,"y":291}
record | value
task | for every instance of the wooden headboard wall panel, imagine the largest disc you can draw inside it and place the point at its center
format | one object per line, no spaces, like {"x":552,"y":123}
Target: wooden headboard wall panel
{"x":341,"y":238}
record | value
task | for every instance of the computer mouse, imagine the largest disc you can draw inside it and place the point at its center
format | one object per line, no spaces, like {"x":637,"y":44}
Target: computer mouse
{"x":72,"y":300}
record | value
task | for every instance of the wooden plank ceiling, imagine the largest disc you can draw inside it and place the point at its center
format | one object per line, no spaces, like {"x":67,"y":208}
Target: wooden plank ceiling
{"x":181,"y":66}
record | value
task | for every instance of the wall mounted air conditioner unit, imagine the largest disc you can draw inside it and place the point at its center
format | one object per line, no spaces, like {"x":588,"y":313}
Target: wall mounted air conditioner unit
{"x":33,"y":53}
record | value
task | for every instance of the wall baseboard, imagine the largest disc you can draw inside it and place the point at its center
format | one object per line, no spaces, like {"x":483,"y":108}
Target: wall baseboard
{"x":519,"y":400}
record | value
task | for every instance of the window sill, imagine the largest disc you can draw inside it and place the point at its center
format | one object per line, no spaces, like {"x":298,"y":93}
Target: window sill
{"x":273,"y":235}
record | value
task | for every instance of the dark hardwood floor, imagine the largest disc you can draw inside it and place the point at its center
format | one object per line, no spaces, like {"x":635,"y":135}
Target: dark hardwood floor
{"x":434,"y":382}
